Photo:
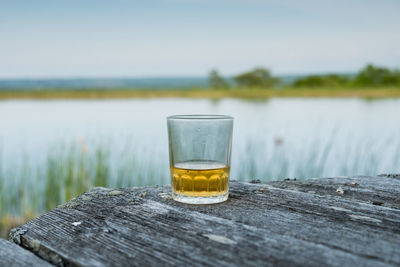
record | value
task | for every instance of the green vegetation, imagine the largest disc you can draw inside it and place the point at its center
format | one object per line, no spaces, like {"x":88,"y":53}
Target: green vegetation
{"x":370,"y":76}
{"x":243,"y":93}
{"x":216,"y":81}
{"x":377,"y":76}
{"x":331,"y":80}
{"x":259,"y":77}
{"x":259,"y":83}
{"x":69,"y":171}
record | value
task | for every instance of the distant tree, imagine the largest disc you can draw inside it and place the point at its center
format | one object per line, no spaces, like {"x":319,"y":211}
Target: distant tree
{"x":216,"y":81}
{"x":259,"y":77}
{"x":375,"y":76}
{"x":330,"y":80}
{"x":396,"y":77}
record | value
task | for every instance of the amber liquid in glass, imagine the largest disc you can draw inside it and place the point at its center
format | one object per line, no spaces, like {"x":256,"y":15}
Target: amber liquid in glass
{"x":200,"y":178}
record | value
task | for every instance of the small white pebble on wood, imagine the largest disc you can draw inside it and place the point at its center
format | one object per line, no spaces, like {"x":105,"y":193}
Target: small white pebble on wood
{"x":165,"y":195}
{"x":340,"y":190}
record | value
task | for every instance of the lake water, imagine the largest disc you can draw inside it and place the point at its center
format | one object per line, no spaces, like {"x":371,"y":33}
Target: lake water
{"x":124,"y":142}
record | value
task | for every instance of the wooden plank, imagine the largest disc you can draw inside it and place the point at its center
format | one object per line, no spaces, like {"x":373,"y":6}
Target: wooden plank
{"x":295,"y":213}
{"x":13,"y":255}
{"x":380,"y":190}
{"x":260,"y":224}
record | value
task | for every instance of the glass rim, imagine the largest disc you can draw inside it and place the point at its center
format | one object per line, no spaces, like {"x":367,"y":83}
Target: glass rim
{"x":200,"y":117}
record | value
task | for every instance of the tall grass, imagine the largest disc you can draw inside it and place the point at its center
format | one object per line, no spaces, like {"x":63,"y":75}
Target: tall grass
{"x":71,"y":169}
{"x":67,"y":172}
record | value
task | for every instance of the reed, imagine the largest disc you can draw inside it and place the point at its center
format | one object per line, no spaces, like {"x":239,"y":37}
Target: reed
{"x":71,"y":169}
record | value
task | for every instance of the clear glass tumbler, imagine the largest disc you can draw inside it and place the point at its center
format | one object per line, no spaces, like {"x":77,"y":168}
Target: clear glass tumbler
{"x":200,"y":155}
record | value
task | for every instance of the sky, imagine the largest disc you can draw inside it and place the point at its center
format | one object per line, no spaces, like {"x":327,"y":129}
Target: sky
{"x":153,"y":38}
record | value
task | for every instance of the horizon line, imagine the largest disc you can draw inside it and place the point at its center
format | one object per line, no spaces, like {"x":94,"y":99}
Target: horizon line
{"x":92,"y":77}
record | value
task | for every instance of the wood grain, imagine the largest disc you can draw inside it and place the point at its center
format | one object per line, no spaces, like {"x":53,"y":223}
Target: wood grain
{"x":286,"y":223}
{"x":12,"y":255}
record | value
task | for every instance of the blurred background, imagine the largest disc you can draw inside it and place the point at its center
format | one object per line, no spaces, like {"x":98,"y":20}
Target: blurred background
{"x":85,"y":87}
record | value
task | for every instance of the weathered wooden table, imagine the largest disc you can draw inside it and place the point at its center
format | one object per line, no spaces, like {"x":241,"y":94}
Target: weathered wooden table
{"x":333,"y":221}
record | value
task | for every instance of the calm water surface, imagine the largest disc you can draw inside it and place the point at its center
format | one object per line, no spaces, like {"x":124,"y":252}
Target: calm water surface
{"x":124,"y":142}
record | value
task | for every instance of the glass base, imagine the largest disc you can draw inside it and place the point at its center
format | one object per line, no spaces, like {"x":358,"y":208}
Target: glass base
{"x":199,"y":200}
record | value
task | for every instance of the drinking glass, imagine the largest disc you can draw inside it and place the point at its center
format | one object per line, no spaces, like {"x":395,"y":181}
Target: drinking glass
{"x":200,"y":156}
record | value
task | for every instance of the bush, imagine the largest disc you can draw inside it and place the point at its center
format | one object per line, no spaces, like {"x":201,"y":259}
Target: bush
{"x":216,"y":81}
{"x":376,"y":76}
{"x":258,"y":77}
{"x":331,"y":80}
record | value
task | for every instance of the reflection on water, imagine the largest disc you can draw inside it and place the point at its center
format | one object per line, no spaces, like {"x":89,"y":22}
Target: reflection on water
{"x":54,"y":150}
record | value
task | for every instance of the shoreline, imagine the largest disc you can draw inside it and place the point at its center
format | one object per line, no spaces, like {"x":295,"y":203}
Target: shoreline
{"x":203,"y":93}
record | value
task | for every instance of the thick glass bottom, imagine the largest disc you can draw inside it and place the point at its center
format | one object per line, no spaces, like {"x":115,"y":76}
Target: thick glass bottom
{"x":200,"y":200}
